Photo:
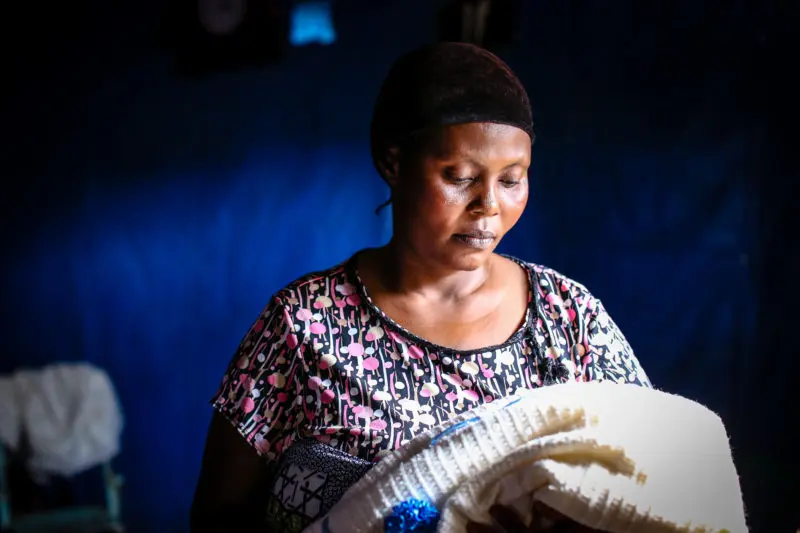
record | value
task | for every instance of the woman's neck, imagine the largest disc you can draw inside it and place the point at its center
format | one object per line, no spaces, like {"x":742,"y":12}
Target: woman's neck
{"x":400,"y":269}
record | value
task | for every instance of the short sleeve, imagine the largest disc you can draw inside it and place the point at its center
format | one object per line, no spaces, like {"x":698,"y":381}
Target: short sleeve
{"x":259,"y":390}
{"x":611,"y":357}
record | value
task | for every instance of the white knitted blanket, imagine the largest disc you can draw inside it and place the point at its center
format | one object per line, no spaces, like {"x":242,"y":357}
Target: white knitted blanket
{"x":618,"y":458}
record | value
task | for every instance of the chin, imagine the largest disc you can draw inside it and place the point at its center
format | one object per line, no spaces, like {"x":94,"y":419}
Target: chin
{"x":471,"y":261}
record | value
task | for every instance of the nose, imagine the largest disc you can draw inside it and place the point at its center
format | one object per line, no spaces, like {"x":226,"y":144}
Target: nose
{"x":485,"y":203}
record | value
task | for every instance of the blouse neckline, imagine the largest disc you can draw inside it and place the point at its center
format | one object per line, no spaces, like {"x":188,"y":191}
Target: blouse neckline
{"x":351,"y":267}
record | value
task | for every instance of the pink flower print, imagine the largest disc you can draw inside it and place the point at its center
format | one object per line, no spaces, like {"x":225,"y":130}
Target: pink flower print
{"x":261,"y":444}
{"x":248,"y":405}
{"x":291,"y":341}
{"x":471,"y":395}
{"x":322,"y":302}
{"x":314,"y":382}
{"x":362,"y":411}
{"x":355,"y":349}
{"x":571,"y":314}
{"x":326,"y":361}
{"x":317,"y":328}
{"x":428,"y":390}
{"x":345,"y":289}
{"x":247,"y":382}
{"x":327,"y":396}
{"x":453,"y":379}
{"x":371,"y":364}
{"x":397,"y":338}
{"x":303,"y":315}
{"x":277,"y":380}
{"x":354,"y":300}
{"x":451,"y":396}
{"x":378,"y":425}
{"x":415,"y":352}
{"x":374,"y":333}
{"x":554,"y":299}
{"x":381,"y":396}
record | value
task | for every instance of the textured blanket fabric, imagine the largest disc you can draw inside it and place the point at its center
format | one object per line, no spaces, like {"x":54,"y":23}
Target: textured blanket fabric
{"x":618,"y":458}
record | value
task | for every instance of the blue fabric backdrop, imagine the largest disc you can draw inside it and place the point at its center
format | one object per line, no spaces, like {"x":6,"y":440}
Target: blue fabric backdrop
{"x":150,"y":217}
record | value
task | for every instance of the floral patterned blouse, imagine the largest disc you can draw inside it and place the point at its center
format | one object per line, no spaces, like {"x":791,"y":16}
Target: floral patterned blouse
{"x":323,"y":362}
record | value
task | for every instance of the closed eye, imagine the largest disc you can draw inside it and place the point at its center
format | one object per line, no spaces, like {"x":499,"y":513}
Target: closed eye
{"x":455,"y":178}
{"x":509,"y":183}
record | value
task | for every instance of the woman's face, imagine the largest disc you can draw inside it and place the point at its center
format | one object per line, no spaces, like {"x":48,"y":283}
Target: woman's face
{"x":456,"y":196}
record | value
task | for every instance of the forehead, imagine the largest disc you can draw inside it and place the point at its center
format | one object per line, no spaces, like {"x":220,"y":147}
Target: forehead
{"x":481,"y":141}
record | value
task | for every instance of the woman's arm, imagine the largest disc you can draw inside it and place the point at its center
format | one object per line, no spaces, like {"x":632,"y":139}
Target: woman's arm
{"x":253,"y":420}
{"x":232,"y":485}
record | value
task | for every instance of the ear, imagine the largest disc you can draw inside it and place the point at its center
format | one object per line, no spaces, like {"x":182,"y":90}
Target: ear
{"x":389,"y":166}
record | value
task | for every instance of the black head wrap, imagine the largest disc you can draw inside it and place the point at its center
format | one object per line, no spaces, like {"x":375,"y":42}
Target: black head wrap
{"x":445,"y":84}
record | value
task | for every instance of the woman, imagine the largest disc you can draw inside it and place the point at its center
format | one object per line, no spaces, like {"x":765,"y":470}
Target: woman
{"x":365,"y":355}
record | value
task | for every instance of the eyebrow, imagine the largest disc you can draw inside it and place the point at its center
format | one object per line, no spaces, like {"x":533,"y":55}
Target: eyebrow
{"x":466,"y":158}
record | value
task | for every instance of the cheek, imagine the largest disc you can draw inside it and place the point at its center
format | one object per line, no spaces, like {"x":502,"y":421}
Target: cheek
{"x":435,"y":209}
{"x":432,"y":195}
{"x":425,"y":197}
{"x":514,"y":202}
{"x":453,"y":196}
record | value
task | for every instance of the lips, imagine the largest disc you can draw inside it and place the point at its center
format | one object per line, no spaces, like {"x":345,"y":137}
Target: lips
{"x":478,"y":234}
{"x":477,"y":239}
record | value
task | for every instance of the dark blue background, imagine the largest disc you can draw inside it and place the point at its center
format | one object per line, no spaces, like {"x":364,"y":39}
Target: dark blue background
{"x":148,"y":217}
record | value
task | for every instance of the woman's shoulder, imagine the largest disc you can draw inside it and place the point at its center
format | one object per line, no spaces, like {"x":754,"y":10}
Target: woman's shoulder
{"x":318,"y":289}
{"x":549,"y":282}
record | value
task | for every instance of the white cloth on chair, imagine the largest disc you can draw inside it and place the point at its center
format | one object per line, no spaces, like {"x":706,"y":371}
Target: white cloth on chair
{"x":67,"y":415}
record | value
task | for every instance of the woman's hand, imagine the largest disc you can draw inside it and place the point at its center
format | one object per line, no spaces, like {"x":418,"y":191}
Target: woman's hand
{"x":507,"y":521}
